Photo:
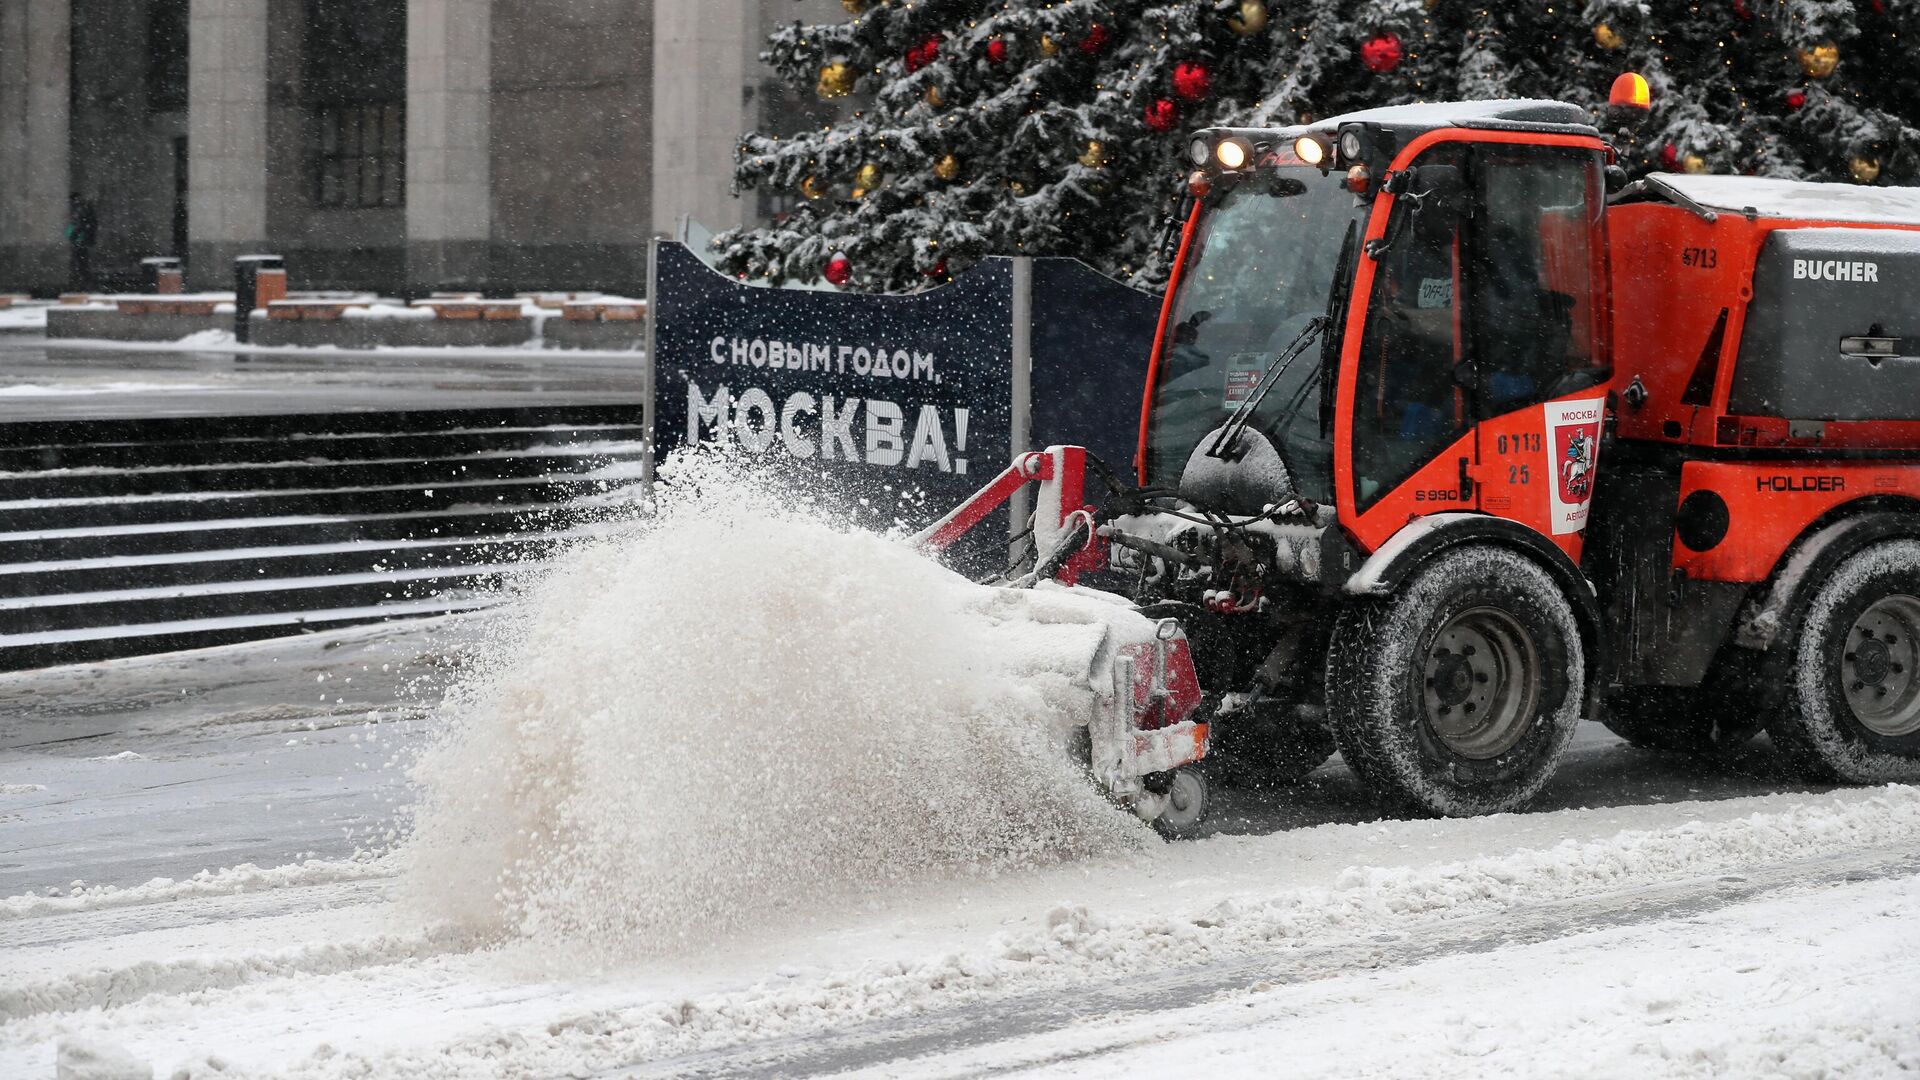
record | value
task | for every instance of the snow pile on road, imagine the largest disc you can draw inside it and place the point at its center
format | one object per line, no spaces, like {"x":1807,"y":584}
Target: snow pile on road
{"x":225,"y":882}
{"x":742,"y":706}
{"x":1078,"y":942}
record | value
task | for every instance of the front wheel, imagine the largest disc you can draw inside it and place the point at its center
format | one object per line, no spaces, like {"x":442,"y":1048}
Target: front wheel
{"x":1852,"y":708}
{"x":1457,"y":695}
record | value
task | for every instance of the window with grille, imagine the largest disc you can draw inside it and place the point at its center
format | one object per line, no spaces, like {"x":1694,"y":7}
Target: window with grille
{"x":354,"y":89}
{"x":359,"y":155}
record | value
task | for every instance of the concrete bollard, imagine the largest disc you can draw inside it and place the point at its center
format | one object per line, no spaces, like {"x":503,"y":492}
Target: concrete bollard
{"x":258,"y":280}
{"x":164,"y":275}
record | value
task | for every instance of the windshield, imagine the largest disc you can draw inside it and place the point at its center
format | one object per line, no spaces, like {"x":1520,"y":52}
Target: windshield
{"x":1262,"y":266}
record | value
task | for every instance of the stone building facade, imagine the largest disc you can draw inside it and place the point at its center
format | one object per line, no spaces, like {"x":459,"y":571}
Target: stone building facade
{"x":399,"y":145}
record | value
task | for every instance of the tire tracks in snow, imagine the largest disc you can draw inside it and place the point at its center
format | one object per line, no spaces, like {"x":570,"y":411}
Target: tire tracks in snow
{"x":879,"y":1045}
{"x":109,"y":987}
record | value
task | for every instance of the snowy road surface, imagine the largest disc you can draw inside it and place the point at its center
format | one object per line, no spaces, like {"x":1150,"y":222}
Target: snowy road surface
{"x":1649,"y":919}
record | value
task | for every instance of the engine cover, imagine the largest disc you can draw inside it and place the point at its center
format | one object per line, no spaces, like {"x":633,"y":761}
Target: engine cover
{"x":1833,"y":331}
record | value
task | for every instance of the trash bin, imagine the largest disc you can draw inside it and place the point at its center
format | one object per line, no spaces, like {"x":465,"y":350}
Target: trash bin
{"x":258,"y":280}
{"x":164,"y":275}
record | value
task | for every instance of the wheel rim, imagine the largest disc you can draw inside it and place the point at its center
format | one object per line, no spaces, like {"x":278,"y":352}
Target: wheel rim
{"x":1880,"y":669}
{"x":1482,"y":683}
{"x":1186,"y":800}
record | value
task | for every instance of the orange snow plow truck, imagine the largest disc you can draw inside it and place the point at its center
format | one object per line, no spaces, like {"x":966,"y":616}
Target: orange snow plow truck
{"x":1452,"y":437}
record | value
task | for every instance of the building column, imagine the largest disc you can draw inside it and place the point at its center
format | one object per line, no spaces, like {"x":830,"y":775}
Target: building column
{"x":449,"y":142}
{"x":700,"y":75}
{"x":226,"y":137}
{"x":35,"y":75}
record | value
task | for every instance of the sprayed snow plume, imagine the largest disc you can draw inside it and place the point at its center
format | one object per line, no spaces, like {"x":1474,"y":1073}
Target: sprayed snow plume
{"x":742,"y":705}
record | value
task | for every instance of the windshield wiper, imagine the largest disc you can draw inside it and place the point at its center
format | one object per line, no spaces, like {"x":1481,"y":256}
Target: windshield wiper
{"x":1229,"y":436}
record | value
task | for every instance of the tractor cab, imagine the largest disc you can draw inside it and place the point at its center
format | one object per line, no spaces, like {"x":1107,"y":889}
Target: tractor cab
{"x":1368,"y":314}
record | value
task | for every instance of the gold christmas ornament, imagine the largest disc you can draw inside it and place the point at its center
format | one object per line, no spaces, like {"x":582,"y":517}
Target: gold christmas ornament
{"x":1251,"y":20}
{"x":947,"y":167}
{"x":934,"y":97}
{"x":836,"y":80}
{"x":1607,"y":37}
{"x":1429,"y":4}
{"x":1095,"y":155}
{"x":868,"y":177}
{"x":1865,"y":170}
{"x":1693,"y":163}
{"x":810,"y":187}
{"x":855,"y":7}
{"x":1820,"y":60}
{"x":1048,"y":46}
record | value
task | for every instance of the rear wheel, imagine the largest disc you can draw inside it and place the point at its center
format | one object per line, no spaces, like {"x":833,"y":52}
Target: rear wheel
{"x":1852,"y":708}
{"x":1457,"y":695}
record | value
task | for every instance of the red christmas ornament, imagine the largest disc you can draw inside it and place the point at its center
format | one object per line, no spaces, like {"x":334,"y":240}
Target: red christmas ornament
{"x":997,"y":51}
{"x":1162,"y":115}
{"x":939,"y":270}
{"x":1741,"y":10}
{"x":1095,"y":40}
{"x":839,"y":269}
{"x":1795,"y":99}
{"x":1670,"y":158}
{"x":1192,"y":81}
{"x":923,"y":54}
{"x":1382,"y":53}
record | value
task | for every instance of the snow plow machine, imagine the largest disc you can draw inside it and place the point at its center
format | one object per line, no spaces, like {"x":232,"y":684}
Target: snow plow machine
{"x":1368,"y":511}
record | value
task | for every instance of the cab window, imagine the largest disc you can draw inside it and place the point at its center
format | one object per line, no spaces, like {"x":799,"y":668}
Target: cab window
{"x":1535,"y":321}
{"x":1410,"y":401}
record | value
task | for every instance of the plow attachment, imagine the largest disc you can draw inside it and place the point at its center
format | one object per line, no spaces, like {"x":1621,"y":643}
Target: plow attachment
{"x":1145,"y":733}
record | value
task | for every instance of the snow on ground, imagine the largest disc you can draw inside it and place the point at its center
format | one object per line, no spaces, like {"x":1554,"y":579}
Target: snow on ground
{"x":579,"y":903}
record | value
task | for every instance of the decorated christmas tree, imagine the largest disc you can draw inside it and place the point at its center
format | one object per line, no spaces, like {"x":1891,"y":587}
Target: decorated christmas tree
{"x":1021,"y":127}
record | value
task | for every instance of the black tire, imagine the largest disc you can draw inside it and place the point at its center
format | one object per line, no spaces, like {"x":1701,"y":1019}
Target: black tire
{"x":1852,"y":712}
{"x":1428,"y":726}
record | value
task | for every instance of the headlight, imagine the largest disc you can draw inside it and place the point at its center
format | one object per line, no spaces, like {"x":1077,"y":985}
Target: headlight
{"x":1310,"y":150}
{"x":1350,"y":148}
{"x":1232,"y":153}
{"x":1199,"y":150}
